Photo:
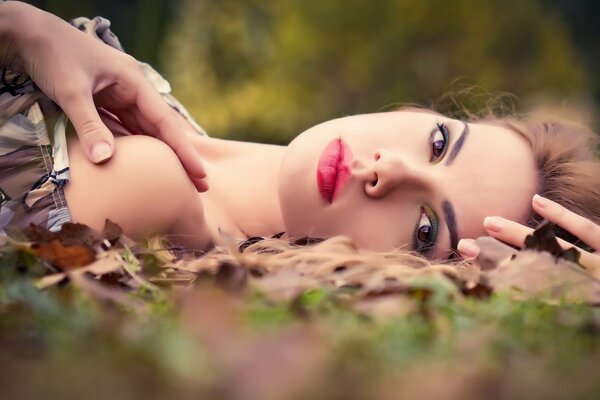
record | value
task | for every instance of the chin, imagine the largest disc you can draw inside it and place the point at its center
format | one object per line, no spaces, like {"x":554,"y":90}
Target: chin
{"x":303,"y":209}
{"x":296,"y":209}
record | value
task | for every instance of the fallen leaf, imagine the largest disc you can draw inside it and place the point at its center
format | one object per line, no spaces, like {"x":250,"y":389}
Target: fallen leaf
{"x":492,"y":252}
{"x":543,"y":238}
{"x":64,"y":257}
{"x":106,"y":263}
{"x":538,"y":274}
{"x":37,"y":233}
{"x":74,"y":233}
{"x":231,"y":277}
{"x":112,"y":231}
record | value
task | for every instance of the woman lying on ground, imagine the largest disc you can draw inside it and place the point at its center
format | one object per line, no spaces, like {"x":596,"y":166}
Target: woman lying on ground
{"x":409,"y":180}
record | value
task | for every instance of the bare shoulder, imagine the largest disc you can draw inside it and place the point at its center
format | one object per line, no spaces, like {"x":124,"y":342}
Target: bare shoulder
{"x":143,"y":187}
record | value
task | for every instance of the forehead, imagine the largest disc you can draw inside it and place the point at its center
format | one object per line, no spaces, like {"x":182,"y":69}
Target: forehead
{"x":494,"y":175}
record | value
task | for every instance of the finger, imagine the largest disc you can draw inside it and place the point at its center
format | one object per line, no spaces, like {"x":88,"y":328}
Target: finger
{"x":579,"y":226}
{"x":200,"y":183}
{"x":188,"y":156}
{"x":130,"y":120}
{"x":155,"y":110}
{"x":514,"y":233}
{"x":96,"y":139}
{"x":468,"y":248}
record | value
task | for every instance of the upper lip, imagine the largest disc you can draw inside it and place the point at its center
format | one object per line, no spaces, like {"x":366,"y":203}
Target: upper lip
{"x":333,"y":171}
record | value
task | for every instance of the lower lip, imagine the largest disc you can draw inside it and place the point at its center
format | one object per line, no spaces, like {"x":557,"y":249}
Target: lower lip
{"x":333,"y":171}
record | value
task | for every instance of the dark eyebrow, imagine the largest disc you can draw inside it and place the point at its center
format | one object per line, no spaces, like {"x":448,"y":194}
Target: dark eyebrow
{"x":450,"y":218}
{"x":457,"y":145}
{"x":447,"y":208}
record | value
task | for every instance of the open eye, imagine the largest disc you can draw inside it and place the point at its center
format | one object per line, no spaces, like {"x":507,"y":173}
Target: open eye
{"x":425,"y":231}
{"x":439,"y":142}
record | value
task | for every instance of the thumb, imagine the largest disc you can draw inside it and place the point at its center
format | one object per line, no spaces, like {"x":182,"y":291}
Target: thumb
{"x":95,"y":138}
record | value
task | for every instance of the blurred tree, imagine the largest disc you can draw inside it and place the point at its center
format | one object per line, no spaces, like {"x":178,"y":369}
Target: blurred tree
{"x":265,"y":70}
{"x":139,"y":24}
{"x":581,"y":17}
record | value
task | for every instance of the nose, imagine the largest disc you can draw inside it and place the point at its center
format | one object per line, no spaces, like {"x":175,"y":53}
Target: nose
{"x":386,"y":171}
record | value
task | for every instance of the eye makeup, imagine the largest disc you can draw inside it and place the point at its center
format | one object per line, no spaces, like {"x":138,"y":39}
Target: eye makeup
{"x":439,"y":142}
{"x":426,"y":228}
{"x":458,"y":144}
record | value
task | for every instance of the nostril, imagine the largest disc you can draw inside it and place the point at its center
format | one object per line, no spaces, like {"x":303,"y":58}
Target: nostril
{"x":372,"y":185}
{"x":374,"y":181}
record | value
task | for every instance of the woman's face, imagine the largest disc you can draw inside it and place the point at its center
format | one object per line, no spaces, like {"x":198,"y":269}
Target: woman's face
{"x":404,"y":180}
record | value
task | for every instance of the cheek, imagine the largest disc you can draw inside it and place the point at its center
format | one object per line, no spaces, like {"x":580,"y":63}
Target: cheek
{"x":374,"y":231}
{"x":471,"y":225}
{"x":375,"y":226}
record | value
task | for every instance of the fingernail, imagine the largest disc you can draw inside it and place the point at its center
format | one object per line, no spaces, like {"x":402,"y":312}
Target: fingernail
{"x":540,"y":201}
{"x":101,"y":151}
{"x":493,"y":224}
{"x":202,"y":187}
{"x":468,"y":248}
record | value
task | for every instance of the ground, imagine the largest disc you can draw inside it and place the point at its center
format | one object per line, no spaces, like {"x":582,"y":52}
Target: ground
{"x":134,"y":323}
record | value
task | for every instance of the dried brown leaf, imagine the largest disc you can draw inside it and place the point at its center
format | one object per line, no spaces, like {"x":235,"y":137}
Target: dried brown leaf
{"x":37,"y":233}
{"x":64,"y":257}
{"x":543,"y":238}
{"x":106,"y":264}
{"x":112,"y":232}
{"x":492,"y":252}
{"x":539,"y":274}
{"x":71,"y":234}
{"x":231,"y":277}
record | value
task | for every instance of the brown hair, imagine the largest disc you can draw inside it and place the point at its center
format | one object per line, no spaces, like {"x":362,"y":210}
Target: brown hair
{"x":568,"y":168}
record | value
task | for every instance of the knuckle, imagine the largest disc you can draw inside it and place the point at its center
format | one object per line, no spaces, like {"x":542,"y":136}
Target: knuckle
{"x":131,"y":62}
{"x":69,"y":92}
{"x":91,"y":129}
{"x":163,"y":121}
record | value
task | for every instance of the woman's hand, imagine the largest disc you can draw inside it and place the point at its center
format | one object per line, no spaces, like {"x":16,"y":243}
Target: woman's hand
{"x":80,"y":73}
{"x":514,"y":233}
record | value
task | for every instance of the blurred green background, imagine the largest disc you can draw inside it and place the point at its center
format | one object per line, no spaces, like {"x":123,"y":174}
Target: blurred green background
{"x":265,"y":70}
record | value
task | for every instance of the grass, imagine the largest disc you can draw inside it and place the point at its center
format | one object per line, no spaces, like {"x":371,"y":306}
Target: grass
{"x":203,"y":341}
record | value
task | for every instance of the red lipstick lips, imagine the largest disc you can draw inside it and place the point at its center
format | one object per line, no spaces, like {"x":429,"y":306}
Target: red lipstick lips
{"x":333,"y":171}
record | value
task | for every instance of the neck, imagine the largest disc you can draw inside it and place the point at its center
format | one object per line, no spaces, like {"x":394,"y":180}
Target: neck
{"x":242,"y":199}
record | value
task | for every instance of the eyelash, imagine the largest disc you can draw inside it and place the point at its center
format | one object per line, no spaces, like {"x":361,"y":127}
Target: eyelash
{"x":443,"y":130}
{"x":427,"y":245}
{"x":427,"y":212}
